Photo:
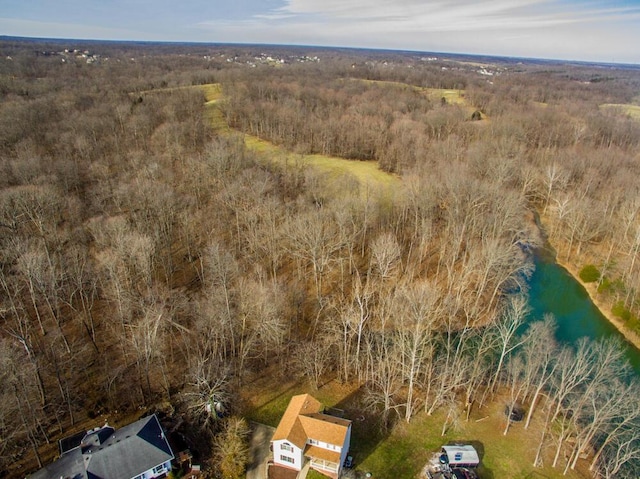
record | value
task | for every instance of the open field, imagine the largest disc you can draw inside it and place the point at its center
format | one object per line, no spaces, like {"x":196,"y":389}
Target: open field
{"x":367,"y":173}
{"x":212,"y":91}
{"x":454,"y":97}
{"x":403,"y":451}
{"x":626,"y":109}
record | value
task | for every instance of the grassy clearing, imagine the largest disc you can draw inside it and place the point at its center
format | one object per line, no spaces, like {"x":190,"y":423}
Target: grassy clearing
{"x":403,"y":451}
{"x":453,"y":97}
{"x":367,"y":173}
{"x":624,"y":108}
{"x":212,"y":91}
{"x":409,"y":447}
{"x":212,"y":95}
{"x":215,"y":117}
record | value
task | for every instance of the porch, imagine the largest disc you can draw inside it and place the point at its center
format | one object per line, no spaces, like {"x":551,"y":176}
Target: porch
{"x":323,"y":460}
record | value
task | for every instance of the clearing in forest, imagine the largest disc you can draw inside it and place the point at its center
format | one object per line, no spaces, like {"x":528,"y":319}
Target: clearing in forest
{"x":367,"y":173}
{"x":405,"y":448}
{"x":625,"y":108}
{"x":453,"y":97}
{"x":212,"y":95}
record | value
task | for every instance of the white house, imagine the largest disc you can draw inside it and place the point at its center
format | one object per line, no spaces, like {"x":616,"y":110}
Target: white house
{"x":139,"y":450}
{"x":306,"y":435}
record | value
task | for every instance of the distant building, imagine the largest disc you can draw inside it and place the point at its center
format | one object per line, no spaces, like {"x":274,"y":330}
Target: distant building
{"x":137,"y":451}
{"x":308,"y":437}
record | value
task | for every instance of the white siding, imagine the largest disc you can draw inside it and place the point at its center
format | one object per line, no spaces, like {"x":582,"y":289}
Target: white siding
{"x":159,"y":470}
{"x":289,"y":455}
{"x":324,"y":445}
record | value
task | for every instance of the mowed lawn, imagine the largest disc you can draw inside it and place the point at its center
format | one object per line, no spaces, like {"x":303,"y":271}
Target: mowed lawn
{"x":404,"y":450}
{"x":369,"y":177}
{"x":454,"y":97}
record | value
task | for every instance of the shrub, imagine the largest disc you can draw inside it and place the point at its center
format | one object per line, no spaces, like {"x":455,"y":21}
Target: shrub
{"x":620,"y":311}
{"x":608,"y":286}
{"x":589,"y":274}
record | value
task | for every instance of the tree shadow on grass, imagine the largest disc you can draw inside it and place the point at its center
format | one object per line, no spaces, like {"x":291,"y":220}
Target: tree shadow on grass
{"x":367,"y":430}
{"x":270,"y":411}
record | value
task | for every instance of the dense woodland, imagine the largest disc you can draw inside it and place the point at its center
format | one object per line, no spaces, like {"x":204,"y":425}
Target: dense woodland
{"x":147,"y":257}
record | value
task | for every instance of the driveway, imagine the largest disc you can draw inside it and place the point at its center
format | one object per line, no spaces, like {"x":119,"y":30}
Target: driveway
{"x":259,"y":453}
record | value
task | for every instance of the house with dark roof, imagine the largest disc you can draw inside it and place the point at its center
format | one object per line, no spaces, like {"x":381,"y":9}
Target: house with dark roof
{"x":137,"y":451}
{"x":308,"y":437}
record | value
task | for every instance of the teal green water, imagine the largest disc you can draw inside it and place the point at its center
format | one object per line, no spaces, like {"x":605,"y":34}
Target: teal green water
{"x":554,"y":290}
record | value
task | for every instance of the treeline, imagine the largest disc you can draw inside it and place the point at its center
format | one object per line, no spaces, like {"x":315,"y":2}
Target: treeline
{"x":145,"y":258}
{"x":546,"y":137}
{"x":348,"y":118}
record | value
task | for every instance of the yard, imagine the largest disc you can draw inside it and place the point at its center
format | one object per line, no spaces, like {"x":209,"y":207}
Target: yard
{"x":403,"y":451}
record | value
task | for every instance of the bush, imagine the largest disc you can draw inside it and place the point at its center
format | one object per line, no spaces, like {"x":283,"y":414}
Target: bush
{"x":620,"y":311}
{"x":608,"y":286}
{"x":589,"y":274}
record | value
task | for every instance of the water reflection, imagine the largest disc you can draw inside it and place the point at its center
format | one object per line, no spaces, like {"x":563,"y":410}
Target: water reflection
{"x":554,"y":290}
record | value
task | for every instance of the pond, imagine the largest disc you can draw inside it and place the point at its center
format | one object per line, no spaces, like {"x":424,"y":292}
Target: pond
{"x":554,"y":290}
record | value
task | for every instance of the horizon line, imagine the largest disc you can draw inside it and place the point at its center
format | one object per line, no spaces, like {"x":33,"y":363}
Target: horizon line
{"x":324,"y":47}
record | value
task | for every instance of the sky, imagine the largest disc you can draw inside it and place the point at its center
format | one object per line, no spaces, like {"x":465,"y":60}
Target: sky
{"x":587,"y":30}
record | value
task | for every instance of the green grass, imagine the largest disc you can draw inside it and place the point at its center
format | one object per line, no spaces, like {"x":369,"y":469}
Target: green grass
{"x":366,"y":173}
{"x":312,"y":474}
{"x":453,"y":97}
{"x":404,"y":450}
{"x":632,"y":111}
{"x":409,"y":446}
{"x":212,"y":91}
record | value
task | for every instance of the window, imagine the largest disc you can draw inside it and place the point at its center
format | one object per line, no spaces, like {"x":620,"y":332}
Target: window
{"x":285,"y":446}
{"x":287,"y":459}
{"x":313,"y":442}
{"x":158,"y":469}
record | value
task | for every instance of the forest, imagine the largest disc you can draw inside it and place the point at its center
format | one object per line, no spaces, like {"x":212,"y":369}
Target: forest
{"x":153,"y":257}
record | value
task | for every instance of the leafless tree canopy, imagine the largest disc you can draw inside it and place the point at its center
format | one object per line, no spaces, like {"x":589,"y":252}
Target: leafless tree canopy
{"x":147,"y":254}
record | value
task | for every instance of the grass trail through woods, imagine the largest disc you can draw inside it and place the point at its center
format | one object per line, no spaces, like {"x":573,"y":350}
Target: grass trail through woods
{"x":367,"y":173}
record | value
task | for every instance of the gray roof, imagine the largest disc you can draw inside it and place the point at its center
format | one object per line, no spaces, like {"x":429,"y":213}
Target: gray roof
{"x":69,"y":465}
{"x":113,"y":454}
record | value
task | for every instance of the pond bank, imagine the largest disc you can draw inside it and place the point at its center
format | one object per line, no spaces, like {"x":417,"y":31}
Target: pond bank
{"x":605,"y":309}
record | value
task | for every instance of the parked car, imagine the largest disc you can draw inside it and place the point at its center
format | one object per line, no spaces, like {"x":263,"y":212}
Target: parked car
{"x":463,"y":473}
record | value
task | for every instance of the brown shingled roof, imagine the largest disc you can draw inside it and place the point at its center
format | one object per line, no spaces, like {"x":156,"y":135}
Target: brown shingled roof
{"x":322,"y":453}
{"x":303,"y":419}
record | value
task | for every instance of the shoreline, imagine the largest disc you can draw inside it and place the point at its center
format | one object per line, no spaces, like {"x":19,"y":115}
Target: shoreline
{"x":604,"y":308}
